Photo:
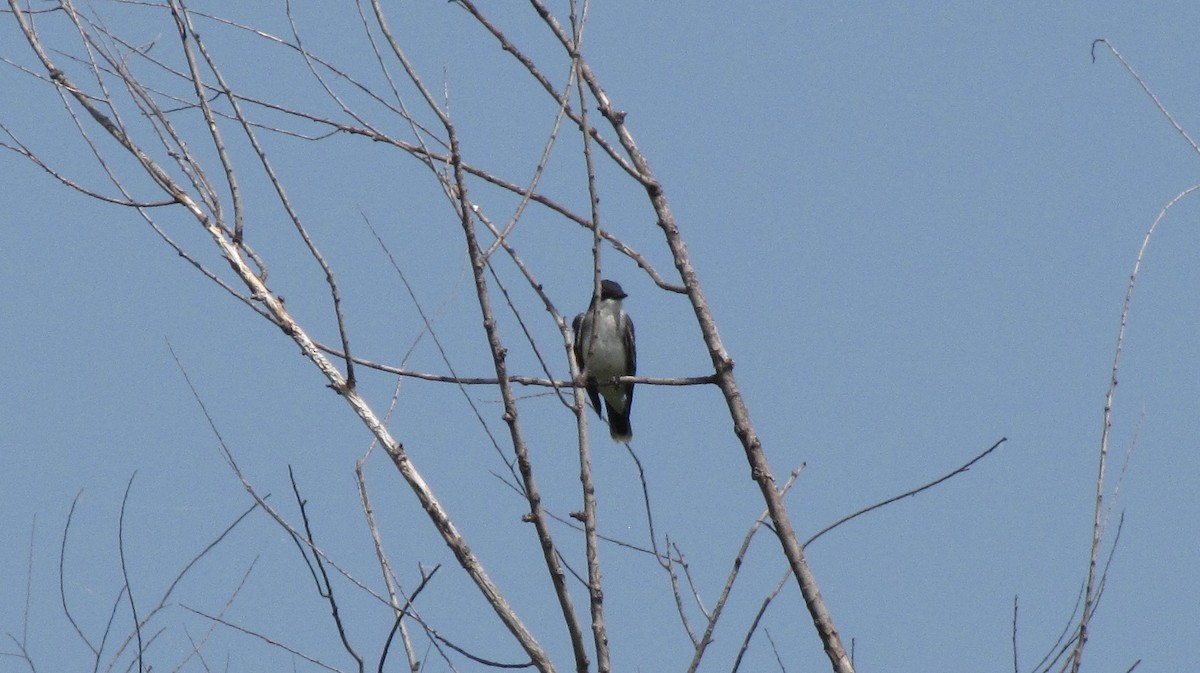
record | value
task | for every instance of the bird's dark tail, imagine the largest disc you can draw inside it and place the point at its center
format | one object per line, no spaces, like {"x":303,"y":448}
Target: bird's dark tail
{"x":618,"y":426}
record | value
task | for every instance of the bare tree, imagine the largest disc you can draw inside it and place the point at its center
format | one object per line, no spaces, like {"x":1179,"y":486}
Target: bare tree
{"x":177,"y":137}
{"x":174,"y":134}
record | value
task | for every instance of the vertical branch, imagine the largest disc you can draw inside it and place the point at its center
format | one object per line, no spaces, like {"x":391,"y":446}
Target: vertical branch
{"x":1090,"y":588}
{"x":499,"y":354}
{"x":385,"y":565}
{"x":595,"y":583}
{"x":456,"y":189}
{"x":62,"y":593}
{"x":1090,"y":595}
{"x":28,"y":586}
{"x":1016,"y":659}
{"x":760,"y":470}
{"x":137,"y":625}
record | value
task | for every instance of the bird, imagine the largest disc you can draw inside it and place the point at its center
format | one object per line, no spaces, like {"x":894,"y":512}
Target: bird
{"x":604,"y":349}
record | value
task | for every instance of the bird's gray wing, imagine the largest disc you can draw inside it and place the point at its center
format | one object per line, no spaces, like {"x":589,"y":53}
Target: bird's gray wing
{"x":582,"y":324}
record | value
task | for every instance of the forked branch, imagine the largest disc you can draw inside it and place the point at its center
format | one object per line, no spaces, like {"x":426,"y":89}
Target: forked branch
{"x":230,"y":249}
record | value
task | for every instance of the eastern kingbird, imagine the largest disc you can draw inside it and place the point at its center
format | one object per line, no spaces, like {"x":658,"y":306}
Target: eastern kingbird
{"x":605,"y":350}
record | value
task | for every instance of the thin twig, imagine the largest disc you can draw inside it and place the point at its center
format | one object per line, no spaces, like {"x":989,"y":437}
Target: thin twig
{"x":212,"y":627}
{"x":1146,"y":88}
{"x":775,"y":650}
{"x":726,"y":590}
{"x":137,"y":625}
{"x":783,"y":580}
{"x":1062,"y":644}
{"x":555,"y":315}
{"x":664,"y":560}
{"x":534,"y":381}
{"x":560,"y":98}
{"x":428,"y":327}
{"x":62,"y":562}
{"x":385,"y":567}
{"x":324,"y":586}
{"x":347,"y":381}
{"x":959,"y":470}
{"x":19,"y":148}
{"x":425,"y":578}
{"x":28,"y":585}
{"x":1016,"y":668}
{"x":668,"y":564}
{"x":762,"y":609}
{"x":270,"y":641}
{"x":108,"y":629}
{"x":258,"y":498}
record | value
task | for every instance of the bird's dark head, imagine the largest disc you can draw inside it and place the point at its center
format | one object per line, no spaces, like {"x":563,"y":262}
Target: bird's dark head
{"x":611,"y":289}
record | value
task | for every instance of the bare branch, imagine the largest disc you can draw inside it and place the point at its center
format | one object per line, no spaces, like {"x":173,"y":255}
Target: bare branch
{"x":561,"y":98}
{"x":510,"y":414}
{"x":273,"y":305}
{"x":19,"y":148}
{"x":425,"y":578}
{"x":196,"y":647}
{"x":324,"y":586}
{"x":266,"y":639}
{"x":1146,"y":88}
{"x":1090,"y":587}
{"x":595,"y":588}
{"x":428,"y":327}
{"x":958,"y":470}
{"x":137,"y":625}
{"x":762,"y":609}
{"x":1016,"y":667}
{"x":28,"y":586}
{"x":760,"y":470}
{"x":186,"y":30}
{"x":62,"y":593}
{"x":707,"y":639}
{"x":707,"y":379}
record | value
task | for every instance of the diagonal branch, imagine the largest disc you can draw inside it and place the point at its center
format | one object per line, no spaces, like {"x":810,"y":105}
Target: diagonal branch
{"x":959,"y":470}
{"x":282,"y":318}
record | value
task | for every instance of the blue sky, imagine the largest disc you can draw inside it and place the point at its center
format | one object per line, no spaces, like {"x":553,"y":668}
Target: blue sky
{"x":915,"y":225}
